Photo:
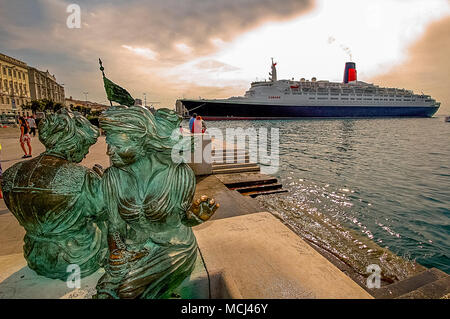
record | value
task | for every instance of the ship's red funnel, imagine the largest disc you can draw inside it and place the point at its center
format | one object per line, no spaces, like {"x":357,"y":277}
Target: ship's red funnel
{"x":350,"y":72}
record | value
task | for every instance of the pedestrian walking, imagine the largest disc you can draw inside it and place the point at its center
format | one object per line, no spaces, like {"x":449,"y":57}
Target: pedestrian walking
{"x":198,"y":125}
{"x":191,"y":122}
{"x":25,"y":136}
{"x":1,"y":172}
{"x":32,"y":124}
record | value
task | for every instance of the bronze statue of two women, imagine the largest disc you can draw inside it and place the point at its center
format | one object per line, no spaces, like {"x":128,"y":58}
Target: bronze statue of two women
{"x":135,"y":220}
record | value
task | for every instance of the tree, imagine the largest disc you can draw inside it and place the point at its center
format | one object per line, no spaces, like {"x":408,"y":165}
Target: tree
{"x":34,"y":106}
{"x":57,"y":107}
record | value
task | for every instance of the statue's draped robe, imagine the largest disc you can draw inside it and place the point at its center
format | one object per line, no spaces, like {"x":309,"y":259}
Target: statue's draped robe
{"x":147,"y":206}
{"x":60,"y":205}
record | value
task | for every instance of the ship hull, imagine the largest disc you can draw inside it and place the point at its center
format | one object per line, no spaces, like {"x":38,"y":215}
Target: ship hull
{"x":217,"y":110}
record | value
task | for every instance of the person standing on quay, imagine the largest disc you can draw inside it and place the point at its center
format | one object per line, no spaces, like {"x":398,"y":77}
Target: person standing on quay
{"x":191,"y":122}
{"x":32,"y":124}
{"x":1,"y":172}
{"x":198,"y":125}
{"x":25,"y":136}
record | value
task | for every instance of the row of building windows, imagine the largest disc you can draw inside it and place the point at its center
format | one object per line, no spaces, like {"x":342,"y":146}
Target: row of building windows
{"x":18,"y":87}
{"x":365,"y":99}
{"x":10,"y":71}
{"x":7,"y":100}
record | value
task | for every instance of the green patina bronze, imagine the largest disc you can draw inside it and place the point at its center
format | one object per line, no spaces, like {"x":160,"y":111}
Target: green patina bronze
{"x":58,"y":202}
{"x":134,"y":220}
{"x":149,"y":202}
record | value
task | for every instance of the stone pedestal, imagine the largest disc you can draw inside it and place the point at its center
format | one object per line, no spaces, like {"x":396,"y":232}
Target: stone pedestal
{"x":201,"y":159}
{"x":18,"y":281}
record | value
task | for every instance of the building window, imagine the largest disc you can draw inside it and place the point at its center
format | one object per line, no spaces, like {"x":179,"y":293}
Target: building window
{"x":4,"y":70}
{"x":9,"y":72}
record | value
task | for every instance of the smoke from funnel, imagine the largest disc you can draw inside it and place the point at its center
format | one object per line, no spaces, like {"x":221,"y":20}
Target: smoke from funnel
{"x":345,"y":48}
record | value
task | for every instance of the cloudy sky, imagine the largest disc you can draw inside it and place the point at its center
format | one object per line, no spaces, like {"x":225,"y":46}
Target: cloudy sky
{"x":215,"y":48}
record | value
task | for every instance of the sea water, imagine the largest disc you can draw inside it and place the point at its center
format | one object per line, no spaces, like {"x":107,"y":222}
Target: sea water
{"x":363,"y":188}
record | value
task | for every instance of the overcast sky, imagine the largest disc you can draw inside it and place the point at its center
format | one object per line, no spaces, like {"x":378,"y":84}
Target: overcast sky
{"x":215,"y":48}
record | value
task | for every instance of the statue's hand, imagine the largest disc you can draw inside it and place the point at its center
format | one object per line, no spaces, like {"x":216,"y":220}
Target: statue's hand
{"x":98,"y":169}
{"x":203,"y":208}
{"x":119,"y":257}
{"x":119,"y":254}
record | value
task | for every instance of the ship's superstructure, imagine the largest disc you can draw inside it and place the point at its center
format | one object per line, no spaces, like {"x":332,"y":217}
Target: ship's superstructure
{"x":312,"y":98}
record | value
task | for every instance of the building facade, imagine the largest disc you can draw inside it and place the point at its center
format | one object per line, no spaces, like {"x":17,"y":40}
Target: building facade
{"x":43,"y":85}
{"x":94,"y":106}
{"x":14,"y":85}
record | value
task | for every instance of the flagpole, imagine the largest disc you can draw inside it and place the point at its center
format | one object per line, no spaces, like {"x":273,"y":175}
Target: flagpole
{"x":103,"y":73}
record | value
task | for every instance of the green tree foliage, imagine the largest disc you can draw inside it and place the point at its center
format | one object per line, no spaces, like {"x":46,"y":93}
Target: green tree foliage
{"x":44,"y":105}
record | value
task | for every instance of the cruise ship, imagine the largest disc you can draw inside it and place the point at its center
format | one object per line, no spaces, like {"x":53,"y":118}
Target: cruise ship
{"x":287,"y":99}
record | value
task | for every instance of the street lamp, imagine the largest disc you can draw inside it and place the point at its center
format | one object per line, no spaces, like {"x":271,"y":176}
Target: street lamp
{"x":86,"y":95}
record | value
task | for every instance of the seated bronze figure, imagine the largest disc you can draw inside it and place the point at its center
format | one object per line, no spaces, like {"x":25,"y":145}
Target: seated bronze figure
{"x":152,"y":248}
{"x":58,"y":202}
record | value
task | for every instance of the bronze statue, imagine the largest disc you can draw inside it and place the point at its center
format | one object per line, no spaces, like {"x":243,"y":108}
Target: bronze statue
{"x":152,"y":248}
{"x":58,"y":202}
{"x":135,"y":220}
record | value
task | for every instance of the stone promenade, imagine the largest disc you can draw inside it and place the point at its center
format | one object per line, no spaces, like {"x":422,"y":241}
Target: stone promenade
{"x":244,"y":252}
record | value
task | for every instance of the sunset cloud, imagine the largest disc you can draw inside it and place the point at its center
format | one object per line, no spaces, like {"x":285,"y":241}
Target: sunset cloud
{"x":145,"y":52}
{"x":139,"y":41}
{"x":174,"y":48}
{"x":427,"y":68}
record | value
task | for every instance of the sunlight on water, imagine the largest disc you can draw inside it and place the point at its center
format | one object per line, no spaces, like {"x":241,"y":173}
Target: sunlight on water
{"x":359,"y":186}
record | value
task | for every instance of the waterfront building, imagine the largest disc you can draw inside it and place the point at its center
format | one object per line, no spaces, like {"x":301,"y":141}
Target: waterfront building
{"x":14,"y":86}
{"x":43,"y":85}
{"x":94,"y":106}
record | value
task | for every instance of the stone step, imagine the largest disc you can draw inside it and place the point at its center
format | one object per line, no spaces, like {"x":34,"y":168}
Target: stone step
{"x":433,"y":290}
{"x":276,"y":191}
{"x":258,"y":188}
{"x":232,"y":165}
{"x":225,"y":155}
{"x":256,"y":180}
{"x":229,"y":152}
{"x":408,"y":285}
{"x":254,"y":168}
{"x":231,"y":159}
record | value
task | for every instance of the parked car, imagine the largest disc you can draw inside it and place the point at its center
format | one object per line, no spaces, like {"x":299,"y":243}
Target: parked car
{"x":8,"y":119}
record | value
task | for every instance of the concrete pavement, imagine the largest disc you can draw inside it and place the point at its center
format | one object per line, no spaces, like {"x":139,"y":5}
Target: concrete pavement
{"x":246,"y":253}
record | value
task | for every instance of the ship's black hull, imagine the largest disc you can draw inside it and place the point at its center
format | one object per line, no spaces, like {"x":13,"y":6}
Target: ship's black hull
{"x":242,"y":111}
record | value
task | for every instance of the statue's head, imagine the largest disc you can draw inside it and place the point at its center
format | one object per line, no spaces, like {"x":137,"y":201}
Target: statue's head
{"x":133,"y":132}
{"x":167,"y":121}
{"x":67,"y":134}
{"x":126,"y":131}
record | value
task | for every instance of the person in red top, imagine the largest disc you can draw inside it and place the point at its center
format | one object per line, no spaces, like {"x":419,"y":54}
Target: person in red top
{"x":199,"y":125}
